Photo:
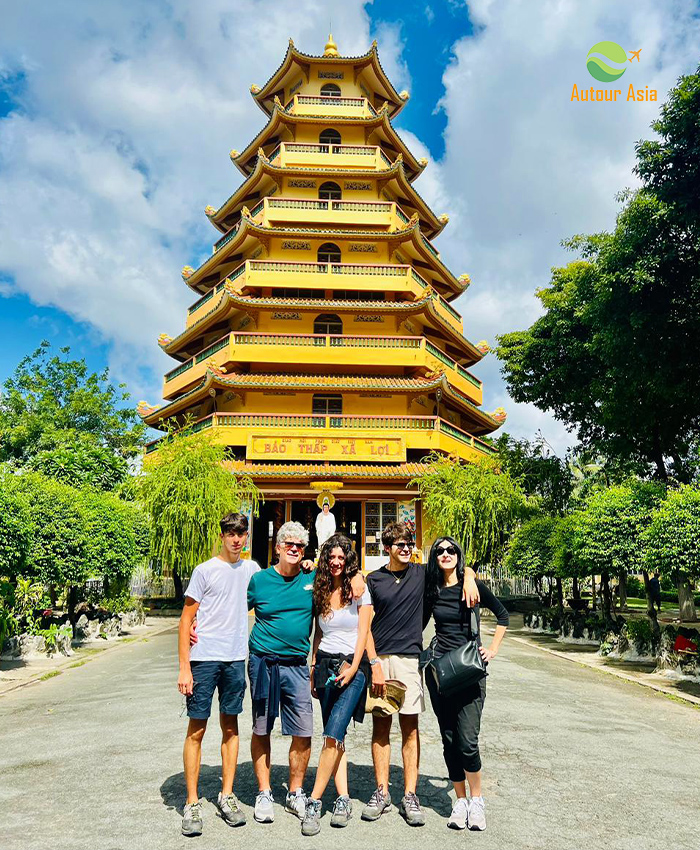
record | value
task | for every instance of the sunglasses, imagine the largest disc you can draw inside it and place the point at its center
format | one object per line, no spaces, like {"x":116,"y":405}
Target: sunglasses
{"x":289,"y":546}
{"x":402,"y":544}
{"x":445,"y":550}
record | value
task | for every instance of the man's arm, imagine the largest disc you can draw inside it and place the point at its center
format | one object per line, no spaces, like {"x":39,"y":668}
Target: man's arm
{"x":185,"y":683}
{"x":378,"y":680}
{"x":470,"y":592}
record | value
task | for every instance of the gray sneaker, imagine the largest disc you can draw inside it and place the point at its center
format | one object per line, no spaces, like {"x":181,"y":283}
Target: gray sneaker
{"x":378,"y":803}
{"x":477,"y":814}
{"x":342,"y":812}
{"x":311,"y":825}
{"x":458,"y":818}
{"x":192,"y":819}
{"x":264,"y":811}
{"x":229,"y":809}
{"x":295,"y":803}
{"x":410,"y":810}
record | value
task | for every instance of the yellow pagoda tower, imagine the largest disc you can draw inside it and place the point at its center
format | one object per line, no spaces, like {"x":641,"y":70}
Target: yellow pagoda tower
{"x":321,"y":347}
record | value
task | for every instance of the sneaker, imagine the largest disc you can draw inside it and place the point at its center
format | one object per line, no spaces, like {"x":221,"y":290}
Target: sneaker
{"x":477,"y":814}
{"x":378,"y":803}
{"x":264,"y":811}
{"x":311,"y":825}
{"x":295,"y":803}
{"x":229,"y":809}
{"x":192,"y":819}
{"x":410,"y":810}
{"x":342,"y":812}
{"x":458,"y":818}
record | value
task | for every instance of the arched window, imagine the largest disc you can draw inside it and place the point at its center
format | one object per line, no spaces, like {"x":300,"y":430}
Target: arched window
{"x":330,"y":191}
{"x":328,"y":323}
{"x":328,"y":253}
{"x":329,"y":137}
{"x":330,"y":90}
{"x":327,"y":405}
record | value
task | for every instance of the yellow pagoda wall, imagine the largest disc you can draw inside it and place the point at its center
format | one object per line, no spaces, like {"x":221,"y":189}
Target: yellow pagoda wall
{"x":354,"y":404}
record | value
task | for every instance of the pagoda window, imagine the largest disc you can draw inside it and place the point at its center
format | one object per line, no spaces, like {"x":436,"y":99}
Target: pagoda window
{"x":328,"y":323}
{"x":328,"y":139}
{"x":330,"y":191}
{"x":327,"y":405}
{"x":330,"y":90}
{"x":328,"y":253}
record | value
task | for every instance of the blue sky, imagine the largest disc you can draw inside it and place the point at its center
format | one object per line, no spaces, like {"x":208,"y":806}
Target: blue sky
{"x":116,"y":121}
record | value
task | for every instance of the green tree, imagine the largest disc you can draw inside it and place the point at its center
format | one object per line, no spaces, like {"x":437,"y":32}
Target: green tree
{"x":538,"y":472}
{"x":671,"y":544}
{"x":15,"y":526}
{"x":472,"y":502}
{"x":79,"y":459}
{"x":613,"y":355}
{"x":531,"y":551}
{"x":608,"y":536}
{"x":186,"y":489}
{"x":49,"y":395}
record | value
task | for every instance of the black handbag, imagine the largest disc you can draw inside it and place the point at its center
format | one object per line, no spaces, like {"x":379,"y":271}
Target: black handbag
{"x":462,"y":667}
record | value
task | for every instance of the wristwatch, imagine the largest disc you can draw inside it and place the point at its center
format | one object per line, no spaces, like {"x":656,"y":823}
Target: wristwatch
{"x":373,"y":661}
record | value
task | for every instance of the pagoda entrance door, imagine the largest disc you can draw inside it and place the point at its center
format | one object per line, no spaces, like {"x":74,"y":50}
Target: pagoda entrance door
{"x":265,"y":529}
{"x":348,"y":521}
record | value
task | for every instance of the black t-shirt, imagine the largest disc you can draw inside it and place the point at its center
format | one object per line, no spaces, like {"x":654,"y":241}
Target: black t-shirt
{"x":452,"y":617}
{"x":397,"y":597}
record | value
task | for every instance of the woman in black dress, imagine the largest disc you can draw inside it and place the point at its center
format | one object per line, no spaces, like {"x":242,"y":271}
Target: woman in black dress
{"x":459,"y":715}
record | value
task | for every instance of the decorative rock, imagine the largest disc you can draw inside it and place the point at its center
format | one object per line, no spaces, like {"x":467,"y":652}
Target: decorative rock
{"x":110,"y":628}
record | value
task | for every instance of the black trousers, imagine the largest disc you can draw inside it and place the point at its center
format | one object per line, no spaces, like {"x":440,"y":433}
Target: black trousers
{"x":459,"y":718}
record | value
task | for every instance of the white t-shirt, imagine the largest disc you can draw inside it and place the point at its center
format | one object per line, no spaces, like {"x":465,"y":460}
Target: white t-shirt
{"x":222,"y":619}
{"x":340,"y":627}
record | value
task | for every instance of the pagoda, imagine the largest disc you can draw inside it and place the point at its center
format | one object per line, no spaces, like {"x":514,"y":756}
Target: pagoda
{"x":322,"y":347}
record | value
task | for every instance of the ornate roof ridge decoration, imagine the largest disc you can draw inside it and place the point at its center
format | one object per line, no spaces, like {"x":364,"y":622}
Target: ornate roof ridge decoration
{"x":264,"y":168}
{"x":229,"y":294}
{"x":401,"y":471}
{"x":280,"y":114}
{"x":260,"y":93}
{"x":216,"y":375}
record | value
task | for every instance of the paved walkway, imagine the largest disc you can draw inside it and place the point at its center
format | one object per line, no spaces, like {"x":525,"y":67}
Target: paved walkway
{"x":91,"y":759}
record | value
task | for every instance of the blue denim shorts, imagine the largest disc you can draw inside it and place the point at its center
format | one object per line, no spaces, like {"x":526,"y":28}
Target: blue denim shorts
{"x":338,"y":706}
{"x":227,"y":676}
{"x":296,"y":706}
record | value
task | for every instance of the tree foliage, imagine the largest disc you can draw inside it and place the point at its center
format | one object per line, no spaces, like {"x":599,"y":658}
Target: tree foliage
{"x":613,"y":356}
{"x":78,"y":459}
{"x":186,"y":489}
{"x":531,"y":549}
{"x":473,"y":502}
{"x":672,"y":540}
{"x":52,"y":401}
{"x":538,"y":472}
{"x":15,"y":526}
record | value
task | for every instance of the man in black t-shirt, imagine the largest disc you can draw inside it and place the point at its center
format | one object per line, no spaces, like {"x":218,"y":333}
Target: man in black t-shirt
{"x":393,"y":646}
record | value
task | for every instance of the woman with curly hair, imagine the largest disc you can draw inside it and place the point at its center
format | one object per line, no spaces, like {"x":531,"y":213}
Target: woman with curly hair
{"x":339,"y":673}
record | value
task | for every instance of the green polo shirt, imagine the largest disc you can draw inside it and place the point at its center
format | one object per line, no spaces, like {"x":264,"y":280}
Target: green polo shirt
{"x":283,"y":612}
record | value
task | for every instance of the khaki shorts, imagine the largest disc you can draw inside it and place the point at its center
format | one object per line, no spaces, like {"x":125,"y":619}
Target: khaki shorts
{"x":405,"y":669}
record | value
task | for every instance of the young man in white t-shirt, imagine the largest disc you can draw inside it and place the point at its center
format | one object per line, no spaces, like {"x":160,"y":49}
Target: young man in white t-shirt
{"x":216,"y":595}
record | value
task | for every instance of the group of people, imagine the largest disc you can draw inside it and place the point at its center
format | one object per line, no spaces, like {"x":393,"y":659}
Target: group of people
{"x":365,"y":634}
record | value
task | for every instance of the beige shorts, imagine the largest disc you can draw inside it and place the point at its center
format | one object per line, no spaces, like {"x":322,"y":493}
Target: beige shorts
{"x":405,"y":669}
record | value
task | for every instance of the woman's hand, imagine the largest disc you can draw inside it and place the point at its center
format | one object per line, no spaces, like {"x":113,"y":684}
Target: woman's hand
{"x":358,"y":585}
{"x":344,"y":678}
{"x":307,"y":565}
{"x":487,"y":654}
{"x":193,"y":633}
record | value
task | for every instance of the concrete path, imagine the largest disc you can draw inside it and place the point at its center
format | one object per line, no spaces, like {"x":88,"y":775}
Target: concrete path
{"x":572,"y":758}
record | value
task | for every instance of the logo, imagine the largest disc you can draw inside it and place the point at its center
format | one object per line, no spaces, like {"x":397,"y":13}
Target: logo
{"x":601,"y":63}
{"x":601,"y":58}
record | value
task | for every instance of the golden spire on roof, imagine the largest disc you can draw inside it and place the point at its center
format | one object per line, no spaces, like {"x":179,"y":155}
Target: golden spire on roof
{"x":331,"y":48}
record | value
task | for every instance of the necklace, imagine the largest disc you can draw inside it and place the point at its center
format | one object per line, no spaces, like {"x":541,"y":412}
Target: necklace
{"x":400,"y":577}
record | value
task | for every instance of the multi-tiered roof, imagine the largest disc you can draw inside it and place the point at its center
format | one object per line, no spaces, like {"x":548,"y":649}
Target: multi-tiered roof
{"x":322,"y":317}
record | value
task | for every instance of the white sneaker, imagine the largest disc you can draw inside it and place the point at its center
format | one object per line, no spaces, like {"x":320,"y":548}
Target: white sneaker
{"x":477,"y":814}
{"x":264,"y":810}
{"x":458,"y":818}
{"x":295,"y":803}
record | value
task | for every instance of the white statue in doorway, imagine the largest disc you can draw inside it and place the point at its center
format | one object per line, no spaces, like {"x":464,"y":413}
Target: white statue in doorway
{"x":325,"y":523}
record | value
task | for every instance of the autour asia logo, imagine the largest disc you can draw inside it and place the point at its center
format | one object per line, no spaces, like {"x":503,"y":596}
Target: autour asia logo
{"x":607,"y":62}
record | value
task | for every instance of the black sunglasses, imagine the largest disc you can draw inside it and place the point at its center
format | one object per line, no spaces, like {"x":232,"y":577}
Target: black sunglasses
{"x":445,"y":550}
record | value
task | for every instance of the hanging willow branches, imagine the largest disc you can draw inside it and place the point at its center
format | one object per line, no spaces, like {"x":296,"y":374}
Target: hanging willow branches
{"x":473,"y":502}
{"x":186,"y":489}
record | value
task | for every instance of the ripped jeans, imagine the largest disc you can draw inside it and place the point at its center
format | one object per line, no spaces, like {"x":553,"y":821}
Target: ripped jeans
{"x":338,"y":706}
